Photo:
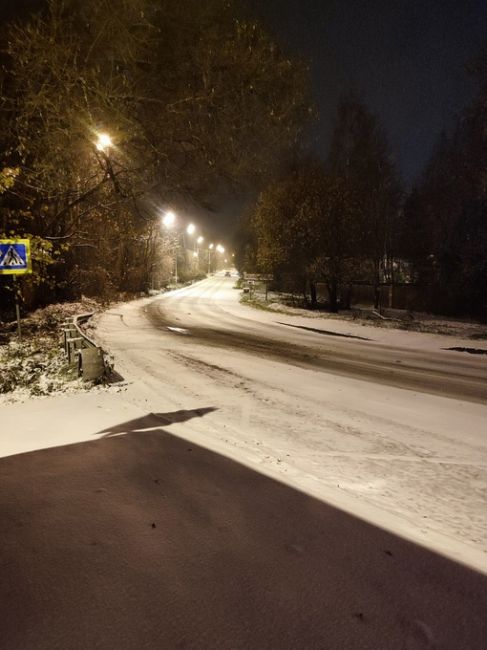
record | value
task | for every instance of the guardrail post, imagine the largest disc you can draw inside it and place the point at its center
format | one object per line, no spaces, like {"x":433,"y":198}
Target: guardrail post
{"x":73,"y":345}
{"x":82,"y":351}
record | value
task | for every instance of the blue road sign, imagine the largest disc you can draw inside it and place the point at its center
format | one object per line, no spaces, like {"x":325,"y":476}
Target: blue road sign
{"x":15,"y":257}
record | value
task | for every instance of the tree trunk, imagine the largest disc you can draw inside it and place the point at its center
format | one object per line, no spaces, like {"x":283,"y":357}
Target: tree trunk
{"x":346,"y":297}
{"x":377,"y":296}
{"x":305,"y":293}
{"x":314,"y":300}
{"x":333,"y":297}
{"x":377,"y":288}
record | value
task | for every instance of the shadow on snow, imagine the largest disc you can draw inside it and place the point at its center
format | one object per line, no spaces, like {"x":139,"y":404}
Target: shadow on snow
{"x":146,"y":541}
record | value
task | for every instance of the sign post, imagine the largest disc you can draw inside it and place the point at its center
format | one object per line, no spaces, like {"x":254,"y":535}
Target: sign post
{"x":15,"y":260}
{"x":17,"y":306}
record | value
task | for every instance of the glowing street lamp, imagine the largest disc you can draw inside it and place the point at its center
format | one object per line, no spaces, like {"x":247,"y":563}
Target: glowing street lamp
{"x":190,"y":229}
{"x":220,"y":248}
{"x":197,"y":245}
{"x":104,"y":142}
{"x":169,"y":219}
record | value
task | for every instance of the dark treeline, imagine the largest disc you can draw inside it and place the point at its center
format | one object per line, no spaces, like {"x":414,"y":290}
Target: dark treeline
{"x":196,"y":98}
{"x":348,"y":221}
{"x":444,"y":226}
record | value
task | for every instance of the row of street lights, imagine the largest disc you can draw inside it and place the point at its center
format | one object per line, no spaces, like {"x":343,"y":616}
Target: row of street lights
{"x":169,"y":220}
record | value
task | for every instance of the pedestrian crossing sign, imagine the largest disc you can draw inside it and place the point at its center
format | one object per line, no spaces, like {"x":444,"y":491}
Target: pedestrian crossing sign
{"x":15,"y":257}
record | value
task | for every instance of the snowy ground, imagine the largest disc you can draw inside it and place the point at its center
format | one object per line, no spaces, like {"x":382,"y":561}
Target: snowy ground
{"x":407,"y":460}
{"x":36,"y":364}
{"x":366,"y":315}
{"x":218,"y":495}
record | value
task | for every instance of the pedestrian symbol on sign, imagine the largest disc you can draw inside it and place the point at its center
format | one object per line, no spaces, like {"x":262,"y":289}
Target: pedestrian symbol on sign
{"x":11,"y":258}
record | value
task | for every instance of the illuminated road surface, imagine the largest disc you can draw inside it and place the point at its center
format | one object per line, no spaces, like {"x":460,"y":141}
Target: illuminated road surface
{"x":249,"y":484}
{"x":393,"y":424}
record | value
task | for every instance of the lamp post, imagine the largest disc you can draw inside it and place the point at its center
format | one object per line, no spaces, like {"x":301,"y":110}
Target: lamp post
{"x":190,"y":230}
{"x":197,"y":246}
{"x":198,"y":243}
{"x":210,"y":248}
{"x":220,"y":249}
{"x":169,"y":221}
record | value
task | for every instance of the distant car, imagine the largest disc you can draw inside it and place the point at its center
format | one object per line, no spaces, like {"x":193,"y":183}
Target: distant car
{"x":227,"y":274}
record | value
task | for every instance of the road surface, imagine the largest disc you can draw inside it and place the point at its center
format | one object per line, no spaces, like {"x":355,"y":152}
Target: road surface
{"x":210,"y":315}
{"x":251,"y":483}
{"x":384,"y":423}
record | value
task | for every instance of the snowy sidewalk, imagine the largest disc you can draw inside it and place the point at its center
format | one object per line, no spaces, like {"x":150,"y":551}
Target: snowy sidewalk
{"x":39,"y":423}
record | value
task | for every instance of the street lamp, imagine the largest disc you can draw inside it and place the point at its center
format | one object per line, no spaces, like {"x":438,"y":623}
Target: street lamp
{"x":219,"y":249}
{"x":104,"y":142}
{"x":196,"y":253}
{"x":168,"y":221}
{"x":190,"y":230}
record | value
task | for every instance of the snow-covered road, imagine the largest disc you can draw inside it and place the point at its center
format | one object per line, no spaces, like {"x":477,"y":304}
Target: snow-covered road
{"x":249,"y":484}
{"x":382,"y":423}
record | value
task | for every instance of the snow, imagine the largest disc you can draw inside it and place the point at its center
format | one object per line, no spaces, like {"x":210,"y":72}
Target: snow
{"x":392,"y":319}
{"x":410,"y":462}
{"x":193,"y":502}
{"x":418,"y":461}
{"x":388,"y":333}
{"x":36,"y":365}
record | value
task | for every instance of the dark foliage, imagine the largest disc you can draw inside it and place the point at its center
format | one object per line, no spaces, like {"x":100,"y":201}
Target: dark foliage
{"x":194,"y":95}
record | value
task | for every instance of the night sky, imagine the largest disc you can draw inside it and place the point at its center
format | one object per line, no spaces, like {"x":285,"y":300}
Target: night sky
{"x":407,"y":58}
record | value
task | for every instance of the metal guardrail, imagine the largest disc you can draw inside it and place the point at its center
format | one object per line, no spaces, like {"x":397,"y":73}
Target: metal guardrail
{"x":82,"y":352}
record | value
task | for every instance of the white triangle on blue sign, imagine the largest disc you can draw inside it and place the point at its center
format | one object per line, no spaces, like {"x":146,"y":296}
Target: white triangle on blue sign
{"x":12,"y":258}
